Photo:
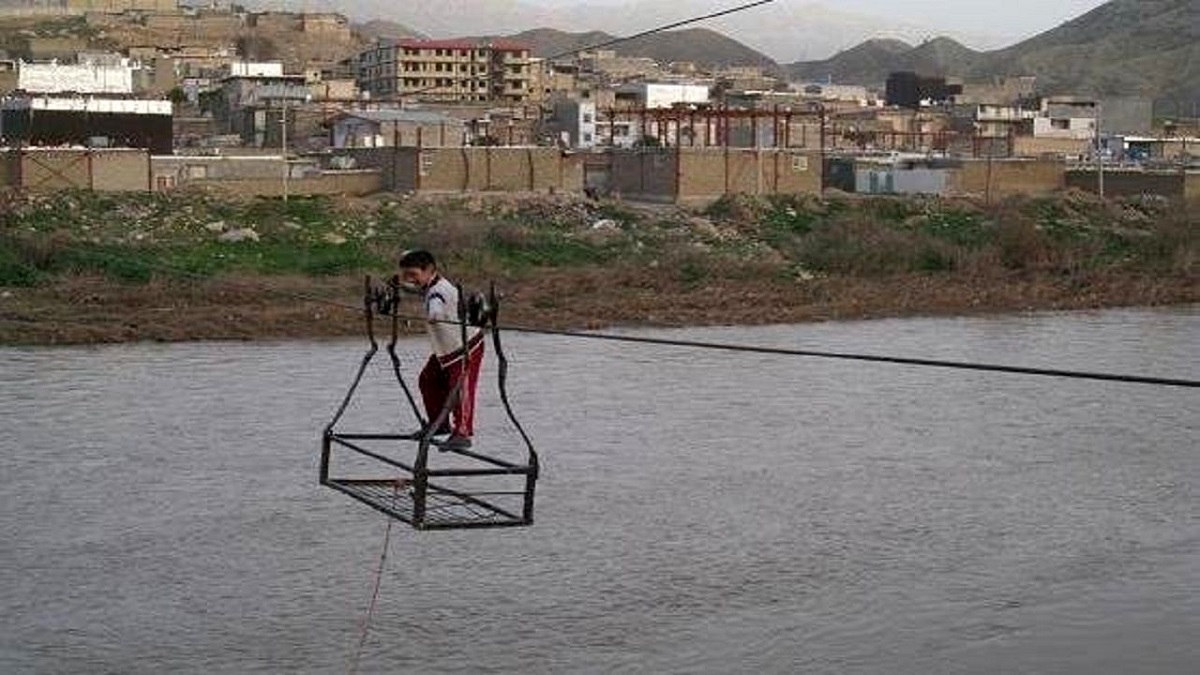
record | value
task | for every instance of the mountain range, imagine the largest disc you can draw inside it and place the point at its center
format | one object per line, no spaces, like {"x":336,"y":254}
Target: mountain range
{"x":1123,"y":47}
{"x":785,"y":30}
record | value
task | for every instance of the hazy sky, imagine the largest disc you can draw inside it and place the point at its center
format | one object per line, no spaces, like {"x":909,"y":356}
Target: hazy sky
{"x":1014,"y":19}
{"x":785,"y":29}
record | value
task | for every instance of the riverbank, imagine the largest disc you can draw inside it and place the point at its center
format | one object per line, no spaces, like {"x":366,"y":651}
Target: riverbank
{"x":85,"y":268}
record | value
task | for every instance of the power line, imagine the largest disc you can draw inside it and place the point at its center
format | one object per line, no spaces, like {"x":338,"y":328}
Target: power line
{"x":619,"y":40}
{"x":936,"y":363}
{"x":660,"y":29}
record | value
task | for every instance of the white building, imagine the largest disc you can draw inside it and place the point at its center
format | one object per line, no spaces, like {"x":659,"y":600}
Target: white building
{"x":256,"y":69}
{"x":662,"y":94}
{"x":574,"y":123}
{"x":388,"y":128}
{"x":1066,"y":117}
{"x":56,"y":78}
{"x":844,"y":93}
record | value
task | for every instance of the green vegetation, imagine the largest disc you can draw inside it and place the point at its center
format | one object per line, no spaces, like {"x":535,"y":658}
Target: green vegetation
{"x":893,"y":235}
{"x":135,"y":238}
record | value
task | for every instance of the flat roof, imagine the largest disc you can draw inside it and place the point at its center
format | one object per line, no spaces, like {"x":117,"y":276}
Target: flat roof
{"x":410,"y":116}
{"x":459,"y":43}
{"x":89,"y":104}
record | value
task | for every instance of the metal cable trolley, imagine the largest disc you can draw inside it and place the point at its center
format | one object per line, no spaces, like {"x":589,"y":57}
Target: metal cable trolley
{"x":439,"y":486}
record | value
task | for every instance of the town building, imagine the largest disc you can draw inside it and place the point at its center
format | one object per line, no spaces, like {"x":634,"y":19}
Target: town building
{"x":653,"y":95}
{"x":121,"y":6}
{"x":550,"y":79}
{"x":86,"y":122}
{"x":572,"y":124}
{"x":496,"y":71}
{"x":910,"y":90}
{"x":83,"y":78}
{"x":253,"y":100}
{"x":605,"y":66}
{"x":1066,"y":117}
{"x":394,"y":128}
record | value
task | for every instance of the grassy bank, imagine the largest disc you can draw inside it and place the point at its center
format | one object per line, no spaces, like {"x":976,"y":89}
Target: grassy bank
{"x":83,"y":267}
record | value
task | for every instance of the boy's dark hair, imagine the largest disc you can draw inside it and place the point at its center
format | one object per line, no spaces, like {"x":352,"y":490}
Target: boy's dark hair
{"x":417,"y":258}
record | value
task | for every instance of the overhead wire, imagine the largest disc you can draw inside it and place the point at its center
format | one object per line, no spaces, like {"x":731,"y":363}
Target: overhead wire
{"x":615,"y":41}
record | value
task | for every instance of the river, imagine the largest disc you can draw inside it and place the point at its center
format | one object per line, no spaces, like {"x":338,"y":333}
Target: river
{"x":698,"y":512}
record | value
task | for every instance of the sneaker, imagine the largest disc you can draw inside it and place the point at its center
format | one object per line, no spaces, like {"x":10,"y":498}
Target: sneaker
{"x":456,"y":442}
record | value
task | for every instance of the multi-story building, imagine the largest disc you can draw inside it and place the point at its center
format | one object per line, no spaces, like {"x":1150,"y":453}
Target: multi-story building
{"x":496,"y":71}
{"x":1066,"y":117}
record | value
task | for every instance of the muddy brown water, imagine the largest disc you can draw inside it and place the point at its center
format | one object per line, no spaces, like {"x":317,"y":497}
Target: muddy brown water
{"x":699,"y":512}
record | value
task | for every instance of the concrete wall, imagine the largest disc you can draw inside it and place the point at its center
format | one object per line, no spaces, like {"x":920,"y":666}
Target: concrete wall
{"x":327,"y":183}
{"x":10,"y":169}
{"x":104,"y":170}
{"x":1030,"y":146}
{"x":121,"y":6}
{"x":409,"y":169}
{"x":1008,"y":177}
{"x":121,"y":171}
{"x":1129,"y":183}
{"x":887,"y":180}
{"x":701,"y":175}
{"x":202,"y":167}
{"x":1191,"y":188}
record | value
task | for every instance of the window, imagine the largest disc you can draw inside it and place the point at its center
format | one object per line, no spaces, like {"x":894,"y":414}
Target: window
{"x":587,"y":118}
{"x":1060,"y":124}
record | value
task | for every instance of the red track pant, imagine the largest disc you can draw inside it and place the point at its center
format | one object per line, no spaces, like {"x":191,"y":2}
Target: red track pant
{"x":437,"y":381}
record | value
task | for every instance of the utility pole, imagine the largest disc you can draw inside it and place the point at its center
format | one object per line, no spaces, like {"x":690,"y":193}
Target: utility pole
{"x":287,"y":169}
{"x":1099,"y":153}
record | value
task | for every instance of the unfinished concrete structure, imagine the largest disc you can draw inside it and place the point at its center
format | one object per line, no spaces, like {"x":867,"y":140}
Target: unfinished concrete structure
{"x":447,"y":70}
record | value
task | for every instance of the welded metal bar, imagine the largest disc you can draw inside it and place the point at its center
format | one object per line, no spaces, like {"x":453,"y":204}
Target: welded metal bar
{"x":375,"y":455}
{"x":482,"y":458}
{"x":479,"y":502}
{"x":368,"y":314}
{"x":515,"y":471}
{"x":394,"y":290}
{"x":411,"y":436}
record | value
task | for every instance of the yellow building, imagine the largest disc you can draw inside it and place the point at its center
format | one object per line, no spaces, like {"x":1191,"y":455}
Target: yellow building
{"x":447,"y":70}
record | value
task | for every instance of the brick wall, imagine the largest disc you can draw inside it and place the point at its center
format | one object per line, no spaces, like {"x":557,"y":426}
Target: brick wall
{"x":1129,"y":183}
{"x":329,"y":183}
{"x":1191,"y":188}
{"x":1029,"y":146}
{"x":701,"y":175}
{"x":476,"y":169}
{"x":1008,"y":177}
{"x":104,"y":170}
{"x":10,"y":169}
{"x":120,"y":171}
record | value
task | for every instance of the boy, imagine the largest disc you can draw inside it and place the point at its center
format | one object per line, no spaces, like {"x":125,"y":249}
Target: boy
{"x":448,"y":363}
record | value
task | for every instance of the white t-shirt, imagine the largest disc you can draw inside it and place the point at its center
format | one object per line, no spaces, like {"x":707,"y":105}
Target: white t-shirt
{"x":441,"y":305}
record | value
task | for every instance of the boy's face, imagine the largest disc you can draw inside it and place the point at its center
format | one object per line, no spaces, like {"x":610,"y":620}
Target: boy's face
{"x":417,"y":276}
